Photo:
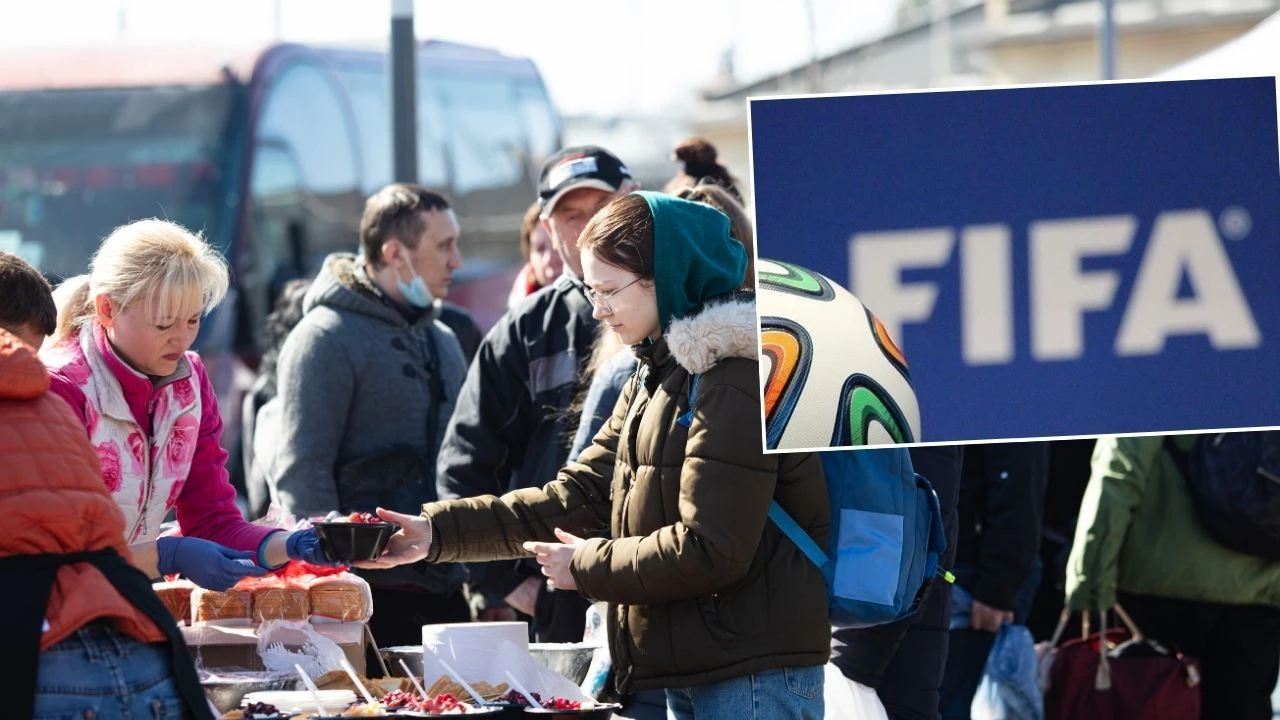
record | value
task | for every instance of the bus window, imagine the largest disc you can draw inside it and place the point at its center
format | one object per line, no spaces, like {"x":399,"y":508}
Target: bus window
{"x":541,"y":126}
{"x":74,"y":164}
{"x":277,"y":253}
{"x":367,"y":88}
{"x":486,"y":140}
{"x":307,"y":195}
{"x":433,"y":160}
{"x":304,"y":111}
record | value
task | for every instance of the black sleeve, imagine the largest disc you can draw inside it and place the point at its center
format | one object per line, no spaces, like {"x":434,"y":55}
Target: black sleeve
{"x":486,"y":439}
{"x":464,"y":328}
{"x":492,"y":421}
{"x":1015,"y":477}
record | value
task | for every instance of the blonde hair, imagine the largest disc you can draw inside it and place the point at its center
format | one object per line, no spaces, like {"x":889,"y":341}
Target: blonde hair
{"x":156,"y":261}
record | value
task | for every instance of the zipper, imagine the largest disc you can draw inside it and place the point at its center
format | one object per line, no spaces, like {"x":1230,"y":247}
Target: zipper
{"x":632,"y":428}
{"x":140,"y":525}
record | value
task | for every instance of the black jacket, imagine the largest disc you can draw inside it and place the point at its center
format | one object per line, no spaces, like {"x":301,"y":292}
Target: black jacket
{"x":510,"y":428}
{"x":464,"y":327}
{"x":1001,"y":508}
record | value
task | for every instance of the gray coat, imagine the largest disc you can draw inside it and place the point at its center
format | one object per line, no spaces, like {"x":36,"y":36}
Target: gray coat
{"x":359,"y":387}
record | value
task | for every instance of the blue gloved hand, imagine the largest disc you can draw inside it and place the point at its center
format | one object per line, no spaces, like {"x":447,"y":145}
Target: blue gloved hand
{"x":304,"y":545}
{"x":205,"y":563}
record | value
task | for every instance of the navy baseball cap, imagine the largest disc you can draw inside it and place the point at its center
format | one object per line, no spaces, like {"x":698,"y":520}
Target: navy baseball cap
{"x":582,"y":166}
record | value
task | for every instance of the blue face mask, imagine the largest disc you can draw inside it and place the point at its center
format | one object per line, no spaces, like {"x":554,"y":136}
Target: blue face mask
{"x":415,"y":292}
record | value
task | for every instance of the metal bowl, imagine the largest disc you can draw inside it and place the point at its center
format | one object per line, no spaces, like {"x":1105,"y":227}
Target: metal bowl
{"x":571,"y":660}
{"x":226,"y":692}
{"x":411,"y":654}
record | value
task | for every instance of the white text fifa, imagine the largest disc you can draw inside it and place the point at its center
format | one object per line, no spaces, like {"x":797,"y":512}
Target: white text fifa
{"x":1061,"y":290}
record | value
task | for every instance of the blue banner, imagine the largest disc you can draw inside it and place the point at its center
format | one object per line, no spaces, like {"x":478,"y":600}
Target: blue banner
{"x":1053,"y":261}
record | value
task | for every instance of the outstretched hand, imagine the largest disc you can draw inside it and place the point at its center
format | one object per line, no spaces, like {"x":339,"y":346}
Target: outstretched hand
{"x":556,"y":559}
{"x":408,"y":545}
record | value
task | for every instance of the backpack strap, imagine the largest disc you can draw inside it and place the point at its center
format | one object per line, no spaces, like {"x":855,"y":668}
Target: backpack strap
{"x":780,"y":517}
{"x":686,"y":417}
{"x":797,"y":535}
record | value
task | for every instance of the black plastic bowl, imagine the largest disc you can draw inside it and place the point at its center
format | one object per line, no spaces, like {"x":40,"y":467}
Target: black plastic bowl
{"x":349,"y":542}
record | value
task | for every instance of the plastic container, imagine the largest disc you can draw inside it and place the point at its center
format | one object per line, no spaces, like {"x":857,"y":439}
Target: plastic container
{"x":348,"y":542}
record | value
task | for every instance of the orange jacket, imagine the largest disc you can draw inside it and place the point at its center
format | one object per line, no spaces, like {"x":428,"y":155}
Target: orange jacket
{"x":53,"y":499}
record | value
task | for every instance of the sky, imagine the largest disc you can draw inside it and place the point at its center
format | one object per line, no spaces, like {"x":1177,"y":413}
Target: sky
{"x":600,"y":57}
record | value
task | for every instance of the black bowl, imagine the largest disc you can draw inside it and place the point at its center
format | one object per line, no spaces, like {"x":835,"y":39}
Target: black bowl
{"x":349,"y":542}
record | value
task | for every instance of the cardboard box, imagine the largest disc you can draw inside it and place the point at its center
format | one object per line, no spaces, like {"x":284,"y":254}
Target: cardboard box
{"x":227,"y":646}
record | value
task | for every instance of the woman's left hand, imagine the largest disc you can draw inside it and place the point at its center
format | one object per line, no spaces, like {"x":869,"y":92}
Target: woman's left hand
{"x":555,"y":559}
{"x":304,"y":545}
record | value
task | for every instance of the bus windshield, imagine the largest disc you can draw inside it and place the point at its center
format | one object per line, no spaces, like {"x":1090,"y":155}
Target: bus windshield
{"x":75,"y":164}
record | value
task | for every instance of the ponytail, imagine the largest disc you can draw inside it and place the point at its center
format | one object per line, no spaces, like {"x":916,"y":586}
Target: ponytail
{"x":75,"y":309}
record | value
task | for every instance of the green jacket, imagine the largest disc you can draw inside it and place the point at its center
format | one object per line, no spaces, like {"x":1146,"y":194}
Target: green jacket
{"x":1138,"y":532}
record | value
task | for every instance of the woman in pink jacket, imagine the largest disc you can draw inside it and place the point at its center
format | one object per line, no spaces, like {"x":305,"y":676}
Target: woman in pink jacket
{"x":120,"y":357}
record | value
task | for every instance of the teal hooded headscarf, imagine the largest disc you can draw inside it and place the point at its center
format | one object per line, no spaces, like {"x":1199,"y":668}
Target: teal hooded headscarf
{"x":694,"y":257}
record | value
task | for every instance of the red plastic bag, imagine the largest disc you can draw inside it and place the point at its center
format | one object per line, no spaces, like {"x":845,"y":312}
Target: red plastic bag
{"x":301,"y":570}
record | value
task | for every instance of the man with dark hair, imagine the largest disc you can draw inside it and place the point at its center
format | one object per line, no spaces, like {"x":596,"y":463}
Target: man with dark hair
{"x":26,"y":301}
{"x":366,"y":383}
{"x":511,"y":426}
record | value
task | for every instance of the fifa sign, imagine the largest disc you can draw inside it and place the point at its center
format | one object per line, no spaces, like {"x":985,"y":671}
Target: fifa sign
{"x":1184,"y":283}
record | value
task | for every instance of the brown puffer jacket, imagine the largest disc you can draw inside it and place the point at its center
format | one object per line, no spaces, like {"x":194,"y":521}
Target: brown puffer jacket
{"x":702,"y":588}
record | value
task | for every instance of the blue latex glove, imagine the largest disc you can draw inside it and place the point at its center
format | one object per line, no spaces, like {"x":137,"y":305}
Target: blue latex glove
{"x":205,"y":563}
{"x":304,"y":545}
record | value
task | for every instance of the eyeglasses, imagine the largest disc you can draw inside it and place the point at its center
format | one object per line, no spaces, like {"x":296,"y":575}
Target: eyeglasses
{"x":601,"y":302}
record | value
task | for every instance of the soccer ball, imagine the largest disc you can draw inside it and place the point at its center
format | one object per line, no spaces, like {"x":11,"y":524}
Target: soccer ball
{"x":831,"y":375}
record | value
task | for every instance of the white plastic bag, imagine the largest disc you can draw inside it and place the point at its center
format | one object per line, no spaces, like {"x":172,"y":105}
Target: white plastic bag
{"x":284,"y":643}
{"x":849,"y":700}
{"x":601,"y":662}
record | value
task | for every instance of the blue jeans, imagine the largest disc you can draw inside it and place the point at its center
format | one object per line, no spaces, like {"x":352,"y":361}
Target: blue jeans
{"x":99,"y":673}
{"x":792,"y":693}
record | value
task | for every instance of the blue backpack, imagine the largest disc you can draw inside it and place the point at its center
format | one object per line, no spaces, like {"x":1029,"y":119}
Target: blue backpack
{"x":886,"y":537}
